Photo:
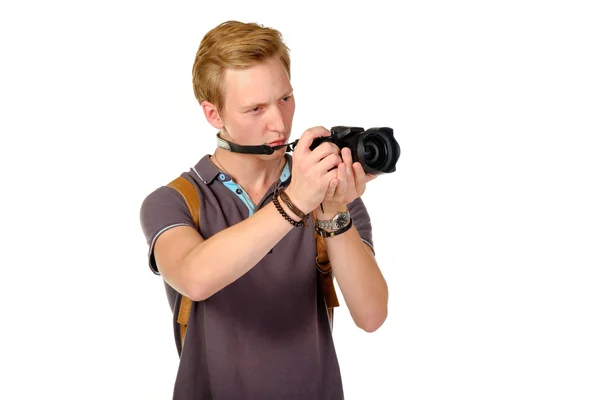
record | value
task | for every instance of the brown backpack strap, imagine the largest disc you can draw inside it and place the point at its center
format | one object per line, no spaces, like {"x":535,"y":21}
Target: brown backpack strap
{"x":325,"y":275}
{"x":190,"y":195}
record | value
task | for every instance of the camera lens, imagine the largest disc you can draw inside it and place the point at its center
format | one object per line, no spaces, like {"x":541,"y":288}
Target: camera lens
{"x":375,"y":149}
{"x":375,"y":152}
{"x":371,"y":152}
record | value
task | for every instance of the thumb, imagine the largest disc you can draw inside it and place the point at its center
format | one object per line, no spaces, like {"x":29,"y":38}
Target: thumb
{"x":370,"y":177}
{"x":331,"y":188}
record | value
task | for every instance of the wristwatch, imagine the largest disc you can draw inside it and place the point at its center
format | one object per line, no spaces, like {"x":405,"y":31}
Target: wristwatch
{"x":339,"y":221}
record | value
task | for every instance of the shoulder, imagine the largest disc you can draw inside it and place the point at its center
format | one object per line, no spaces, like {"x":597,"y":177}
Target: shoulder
{"x":162,"y":207}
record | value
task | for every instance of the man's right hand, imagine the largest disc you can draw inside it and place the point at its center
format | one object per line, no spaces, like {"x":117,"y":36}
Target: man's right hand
{"x":312,"y":171}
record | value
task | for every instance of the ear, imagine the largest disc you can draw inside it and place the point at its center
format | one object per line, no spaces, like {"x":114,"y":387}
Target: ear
{"x":212,"y":115}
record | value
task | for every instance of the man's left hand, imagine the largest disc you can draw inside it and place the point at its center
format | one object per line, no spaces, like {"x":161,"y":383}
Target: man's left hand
{"x":350,"y":183}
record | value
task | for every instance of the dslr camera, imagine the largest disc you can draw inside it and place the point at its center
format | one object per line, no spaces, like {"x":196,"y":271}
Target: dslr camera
{"x":376,"y":148}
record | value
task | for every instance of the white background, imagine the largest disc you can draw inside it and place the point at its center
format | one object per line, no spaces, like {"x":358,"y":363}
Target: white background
{"x":488,"y":234}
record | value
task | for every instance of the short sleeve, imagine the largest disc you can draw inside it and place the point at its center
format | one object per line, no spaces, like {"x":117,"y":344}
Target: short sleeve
{"x":161,"y":210}
{"x":362,"y":221}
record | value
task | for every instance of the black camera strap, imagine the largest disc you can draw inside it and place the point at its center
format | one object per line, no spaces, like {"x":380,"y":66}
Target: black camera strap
{"x":260,"y":149}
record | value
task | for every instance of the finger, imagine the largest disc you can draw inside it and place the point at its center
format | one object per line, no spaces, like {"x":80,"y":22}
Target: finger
{"x":307,"y":138}
{"x":322,"y":151}
{"x":342,"y":178}
{"x":331,"y":175}
{"x":347,"y":158}
{"x":360,"y":177}
{"x":329,"y":162}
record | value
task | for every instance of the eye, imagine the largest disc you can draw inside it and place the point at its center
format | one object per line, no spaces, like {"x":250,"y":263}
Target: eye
{"x":254,"y":110}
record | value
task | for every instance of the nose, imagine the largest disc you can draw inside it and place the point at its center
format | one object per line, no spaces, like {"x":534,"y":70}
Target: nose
{"x":276,"y":121}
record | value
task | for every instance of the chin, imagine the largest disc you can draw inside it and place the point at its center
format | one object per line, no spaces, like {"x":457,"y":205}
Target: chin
{"x":275,"y":156}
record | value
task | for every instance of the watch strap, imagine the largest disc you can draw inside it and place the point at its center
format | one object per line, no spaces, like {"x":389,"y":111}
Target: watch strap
{"x":331,"y":224}
{"x":323,"y":233}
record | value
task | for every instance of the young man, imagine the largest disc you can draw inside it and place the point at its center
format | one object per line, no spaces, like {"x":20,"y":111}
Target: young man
{"x":259,"y":327}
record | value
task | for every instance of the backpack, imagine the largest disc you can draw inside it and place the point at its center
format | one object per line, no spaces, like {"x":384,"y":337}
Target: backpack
{"x":325,"y":277}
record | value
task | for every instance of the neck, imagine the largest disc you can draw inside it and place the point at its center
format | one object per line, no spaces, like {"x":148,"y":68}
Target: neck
{"x":250,"y":169}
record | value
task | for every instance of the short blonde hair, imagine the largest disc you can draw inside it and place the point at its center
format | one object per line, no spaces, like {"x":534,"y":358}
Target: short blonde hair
{"x":235,"y":45}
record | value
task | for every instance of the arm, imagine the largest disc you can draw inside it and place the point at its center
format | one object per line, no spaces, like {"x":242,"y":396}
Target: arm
{"x":199,"y":268}
{"x":359,"y":277}
{"x":354,"y":266}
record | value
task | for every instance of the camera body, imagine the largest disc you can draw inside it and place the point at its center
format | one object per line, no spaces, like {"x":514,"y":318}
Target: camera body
{"x":375,"y":148}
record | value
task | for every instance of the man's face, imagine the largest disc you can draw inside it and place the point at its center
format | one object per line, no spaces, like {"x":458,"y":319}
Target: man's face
{"x":259,"y":105}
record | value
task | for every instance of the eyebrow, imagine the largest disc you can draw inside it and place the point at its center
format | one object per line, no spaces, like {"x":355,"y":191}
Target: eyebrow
{"x":250,"y":106}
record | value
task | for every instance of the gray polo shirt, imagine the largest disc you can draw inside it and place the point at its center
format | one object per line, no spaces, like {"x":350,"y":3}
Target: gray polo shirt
{"x":266,"y":335}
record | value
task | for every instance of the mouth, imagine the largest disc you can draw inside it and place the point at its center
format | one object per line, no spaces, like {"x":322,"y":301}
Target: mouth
{"x":277,"y":143}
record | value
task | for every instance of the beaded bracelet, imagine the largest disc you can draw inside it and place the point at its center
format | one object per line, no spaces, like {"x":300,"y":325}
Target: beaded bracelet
{"x":284,"y":214}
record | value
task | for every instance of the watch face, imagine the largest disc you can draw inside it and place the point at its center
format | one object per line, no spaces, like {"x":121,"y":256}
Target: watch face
{"x":341,"y":221}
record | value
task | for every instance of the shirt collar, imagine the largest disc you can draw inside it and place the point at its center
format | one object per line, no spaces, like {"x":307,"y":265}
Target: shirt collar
{"x":206,"y":171}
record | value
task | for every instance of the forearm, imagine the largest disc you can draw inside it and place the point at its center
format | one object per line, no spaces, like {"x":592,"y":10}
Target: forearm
{"x":359,"y":278}
{"x":229,"y":254}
